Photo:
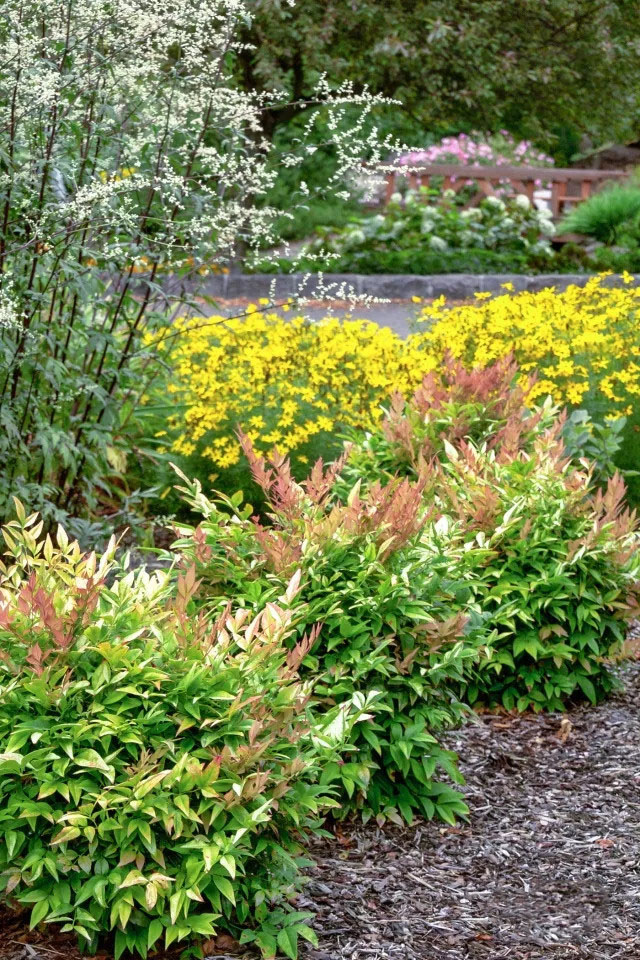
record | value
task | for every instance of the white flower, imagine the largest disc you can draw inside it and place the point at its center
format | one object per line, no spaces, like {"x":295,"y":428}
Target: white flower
{"x":395,"y":197}
{"x":495,"y":202}
{"x":437,"y":244}
{"x":354,"y":237}
{"x":522,"y":202}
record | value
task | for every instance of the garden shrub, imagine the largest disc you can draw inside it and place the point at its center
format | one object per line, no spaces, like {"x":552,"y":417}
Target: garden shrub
{"x":473,"y":149}
{"x":552,"y":564}
{"x":386,"y":614}
{"x":157,"y":771}
{"x":556,"y":570}
{"x":481,"y":405}
{"x":606,"y":214}
{"x":427,"y":221}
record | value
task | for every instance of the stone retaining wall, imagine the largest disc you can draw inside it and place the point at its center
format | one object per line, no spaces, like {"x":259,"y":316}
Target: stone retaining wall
{"x":455,"y":286}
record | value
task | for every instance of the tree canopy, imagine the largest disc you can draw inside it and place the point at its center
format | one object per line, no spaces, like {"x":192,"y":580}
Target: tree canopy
{"x":534,"y":65}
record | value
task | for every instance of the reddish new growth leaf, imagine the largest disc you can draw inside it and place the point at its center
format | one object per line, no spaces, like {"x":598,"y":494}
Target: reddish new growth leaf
{"x":319,"y":483}
{"x":36,"y":657}
{"x":201,"y":550}
{"x":492,"y":388}
{"x":394,"y":512}
{"x":452,"y":401}
{"x":281,"y":550}
{"x":610,"y":507}
{"x":299,"y":652}
{"x":275,"y":479}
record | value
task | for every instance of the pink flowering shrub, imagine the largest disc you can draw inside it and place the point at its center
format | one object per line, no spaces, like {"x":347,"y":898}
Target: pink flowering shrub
{"x":468,"y":150}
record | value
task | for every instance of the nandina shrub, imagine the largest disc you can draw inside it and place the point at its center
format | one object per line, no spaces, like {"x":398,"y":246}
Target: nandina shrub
{"x":157,"y":771}
{"x":484,"y":405}
{"x":554,"y":565}
{"x":385,"y":609}
{"x":549,"y":565}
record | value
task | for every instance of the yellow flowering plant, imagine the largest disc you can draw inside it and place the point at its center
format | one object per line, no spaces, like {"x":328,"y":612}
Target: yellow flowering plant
{"x":290,"y":383}
{"x":299,"y":385}
{"x":584,"y":342}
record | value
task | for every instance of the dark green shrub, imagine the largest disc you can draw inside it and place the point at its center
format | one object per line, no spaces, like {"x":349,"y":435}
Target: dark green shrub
{"x":157,"y":771}
{"x":386,"y":612}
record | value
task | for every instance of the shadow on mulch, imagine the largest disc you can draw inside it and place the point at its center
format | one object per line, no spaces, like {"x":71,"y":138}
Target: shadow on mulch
{"x":547,"y":868}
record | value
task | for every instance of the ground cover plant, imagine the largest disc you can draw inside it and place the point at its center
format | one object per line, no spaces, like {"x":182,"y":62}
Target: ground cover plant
{"x":158,"y":771}
{"x":386,"y":609}
{"x":551,"y":560}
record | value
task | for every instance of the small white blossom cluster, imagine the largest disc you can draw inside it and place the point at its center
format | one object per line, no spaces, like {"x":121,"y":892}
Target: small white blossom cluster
{"x":131,"y":137}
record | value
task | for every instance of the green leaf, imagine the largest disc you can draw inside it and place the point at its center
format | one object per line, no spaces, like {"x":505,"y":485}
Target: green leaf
{"x":587,"y":688}
{"x":225,"y":887}
{"x":288,"y":942}
{"x":38,"y":913}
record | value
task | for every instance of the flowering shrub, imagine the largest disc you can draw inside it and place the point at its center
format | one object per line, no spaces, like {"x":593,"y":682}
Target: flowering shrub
{"x":128,"y":145}
{"x":554,"y":566}
{"x":285,"y":382}
{"x":427,"y":220}
{"x":468,"y":150}
{"x":584,"y":343}
{"x":385,"y":606}
{"x":157,"y":771}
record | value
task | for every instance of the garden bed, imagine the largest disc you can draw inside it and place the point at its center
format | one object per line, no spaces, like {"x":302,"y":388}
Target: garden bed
{"x":547,"y":867}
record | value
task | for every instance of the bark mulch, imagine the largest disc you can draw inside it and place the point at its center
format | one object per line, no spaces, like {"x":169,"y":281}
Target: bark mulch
{"x":547,"y":868}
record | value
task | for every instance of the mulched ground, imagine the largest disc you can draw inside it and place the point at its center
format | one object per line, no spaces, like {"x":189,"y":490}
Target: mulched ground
{"x":548,"y":868}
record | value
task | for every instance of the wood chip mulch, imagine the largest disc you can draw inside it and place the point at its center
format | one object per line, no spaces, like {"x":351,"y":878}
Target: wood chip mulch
{"x":547,"y":868}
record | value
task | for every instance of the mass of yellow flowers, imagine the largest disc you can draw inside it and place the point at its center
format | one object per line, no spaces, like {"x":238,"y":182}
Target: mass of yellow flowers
{"x":287,"y":380}
{"x":284,"y":380}
{"x":583,"y":343}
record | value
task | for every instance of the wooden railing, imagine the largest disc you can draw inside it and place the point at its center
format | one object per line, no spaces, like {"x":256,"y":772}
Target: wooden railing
{"x":568,"y":186}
